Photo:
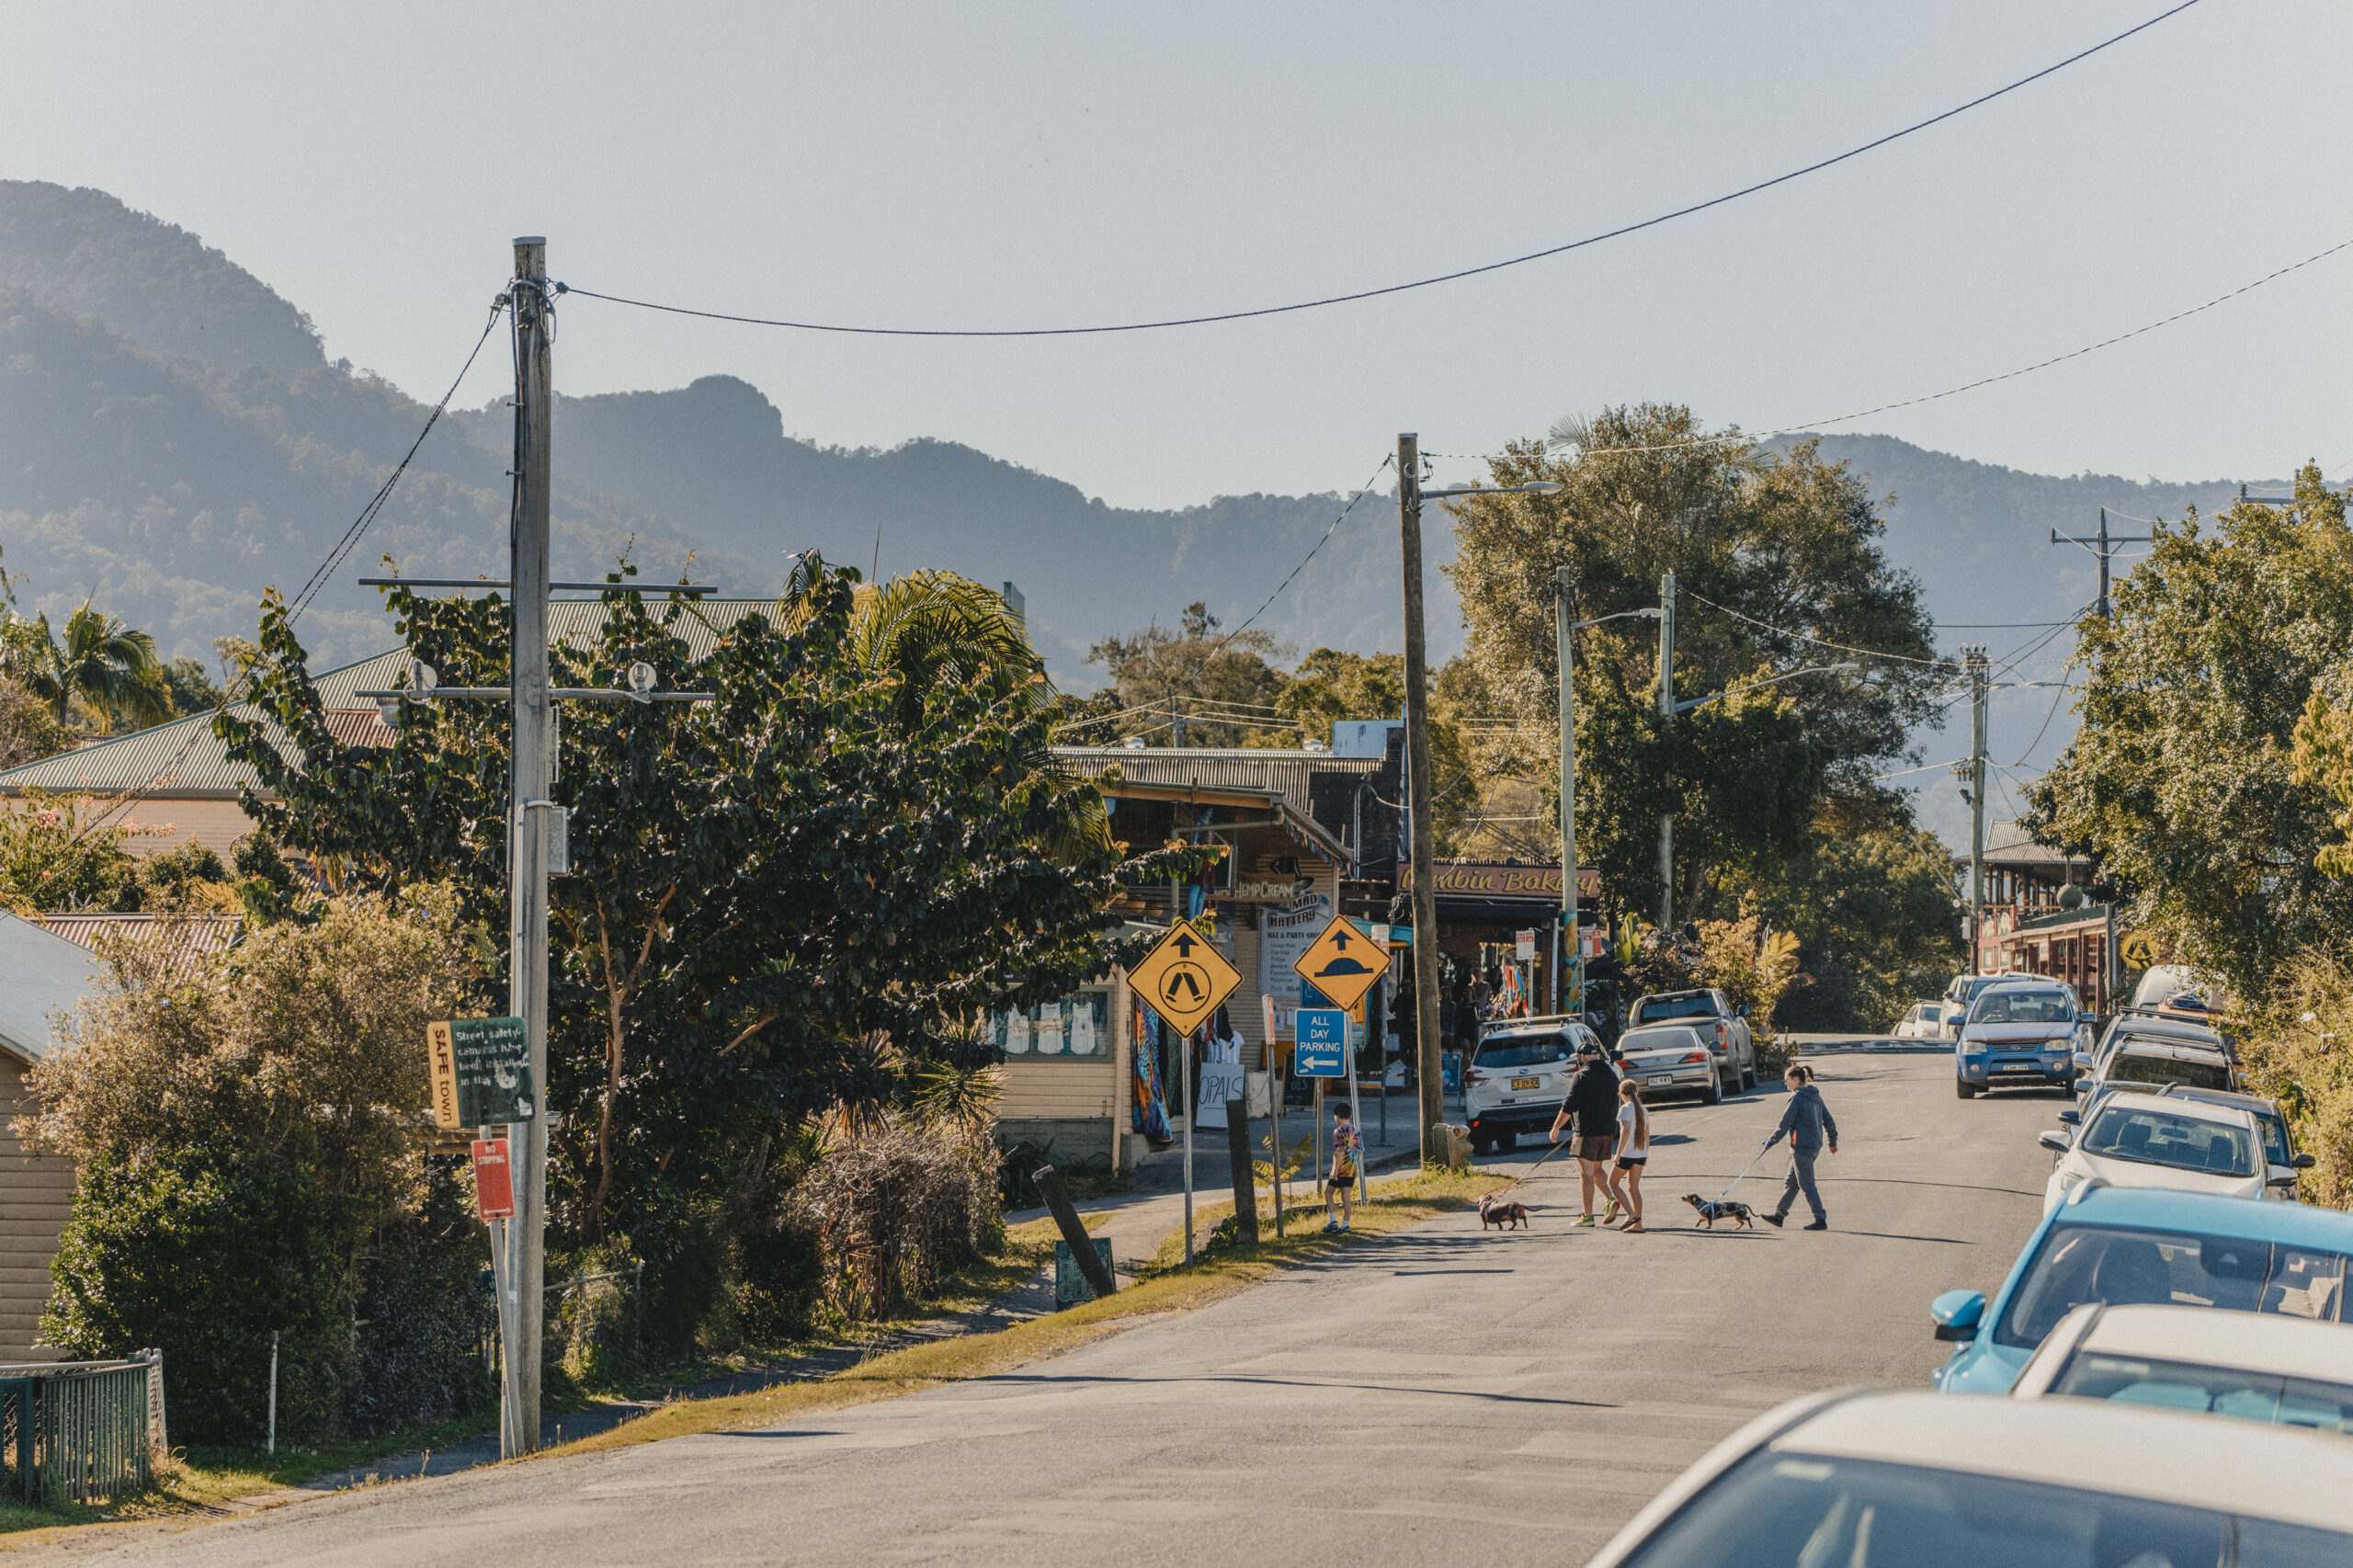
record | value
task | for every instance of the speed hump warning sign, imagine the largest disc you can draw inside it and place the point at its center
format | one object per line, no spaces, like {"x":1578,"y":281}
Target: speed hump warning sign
{"x":1343,"y":963}
{"x":1184,"y":978}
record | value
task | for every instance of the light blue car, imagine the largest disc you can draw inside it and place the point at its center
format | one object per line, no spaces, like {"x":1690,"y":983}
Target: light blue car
{"x":2145,"y":1244}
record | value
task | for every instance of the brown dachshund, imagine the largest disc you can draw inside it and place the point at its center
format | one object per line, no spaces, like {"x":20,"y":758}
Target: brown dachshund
{"x":1504,"y":1216}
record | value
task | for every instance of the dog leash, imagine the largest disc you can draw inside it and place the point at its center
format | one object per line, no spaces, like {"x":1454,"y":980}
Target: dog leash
{"x":1743,"y":1175}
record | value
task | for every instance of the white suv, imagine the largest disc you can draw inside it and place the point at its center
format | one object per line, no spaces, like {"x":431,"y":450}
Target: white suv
{"x":2161,"y":1140}
{"x":1517,"y":1078}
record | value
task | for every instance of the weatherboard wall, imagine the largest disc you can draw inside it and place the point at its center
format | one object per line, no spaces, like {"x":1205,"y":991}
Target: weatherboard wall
{"x":36,"y":1190}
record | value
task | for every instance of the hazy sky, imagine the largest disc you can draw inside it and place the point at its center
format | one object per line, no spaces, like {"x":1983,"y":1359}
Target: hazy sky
{"x":1023,"y":164}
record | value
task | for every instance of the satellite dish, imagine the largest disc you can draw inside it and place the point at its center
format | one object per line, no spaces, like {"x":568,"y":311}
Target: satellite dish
{"x":421,"y":677}
{"x":641,"y":676}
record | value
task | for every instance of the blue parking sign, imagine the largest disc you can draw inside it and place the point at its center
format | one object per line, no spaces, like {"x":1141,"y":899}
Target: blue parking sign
{"x":1323,"y":1042}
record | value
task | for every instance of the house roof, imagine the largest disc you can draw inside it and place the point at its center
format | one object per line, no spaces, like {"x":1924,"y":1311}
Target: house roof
{"x":41,"y":973}
{"x":2007,"y":844}
{"x":184,"y":760}
{"x":186,"y":936}
{"x":1289,"y":774}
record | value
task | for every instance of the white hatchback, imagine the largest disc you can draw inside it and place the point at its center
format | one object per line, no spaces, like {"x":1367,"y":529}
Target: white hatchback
{"x":2256,"y":1367}
{"x":2160,"y":1140}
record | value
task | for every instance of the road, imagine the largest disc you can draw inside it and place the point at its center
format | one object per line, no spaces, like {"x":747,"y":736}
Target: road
{"x":1439,"y":1395}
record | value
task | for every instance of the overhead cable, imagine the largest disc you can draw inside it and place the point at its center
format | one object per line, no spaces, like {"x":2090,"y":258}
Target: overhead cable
{"x":1418,"y":283}
{"x":1364,"y":490}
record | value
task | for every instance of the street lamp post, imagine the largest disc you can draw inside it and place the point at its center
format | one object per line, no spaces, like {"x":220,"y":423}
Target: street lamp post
{"x":1428,"y":1069}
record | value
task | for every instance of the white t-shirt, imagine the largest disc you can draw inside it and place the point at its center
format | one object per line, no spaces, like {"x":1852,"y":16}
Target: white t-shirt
{"x":1626,"y":1150}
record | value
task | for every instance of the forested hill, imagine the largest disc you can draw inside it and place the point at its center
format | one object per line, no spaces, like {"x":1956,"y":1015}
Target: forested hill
{"x":173,"y":438}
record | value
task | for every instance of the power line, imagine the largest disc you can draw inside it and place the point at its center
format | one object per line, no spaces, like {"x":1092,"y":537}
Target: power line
{"x":1819,"y":641}
{"x":1418,"y":283}
{"x":368,"y":514}
{"x":1367,"y":488}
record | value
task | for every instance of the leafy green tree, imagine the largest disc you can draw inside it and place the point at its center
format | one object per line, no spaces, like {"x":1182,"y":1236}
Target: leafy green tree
{"x":112,"y":670}
{"x":49,"y":863}
{"x":29,"y":730}
{"x":2185,"y":779}
{"x":827,"y":855}
{"x":1225,"y":687}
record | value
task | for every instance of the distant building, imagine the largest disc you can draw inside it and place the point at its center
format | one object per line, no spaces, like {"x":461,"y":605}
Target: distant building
{"x":2033,"y":927}
{"x":42,"y":976}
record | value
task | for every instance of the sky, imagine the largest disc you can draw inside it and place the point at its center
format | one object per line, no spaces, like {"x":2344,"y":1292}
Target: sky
{"x":1023,"y":164}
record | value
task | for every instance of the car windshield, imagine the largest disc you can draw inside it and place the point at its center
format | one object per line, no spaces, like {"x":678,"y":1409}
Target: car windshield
{"x":2190,"y":1071}
{"x":2076,"y":1263}
{"x":2151,"y":1137}
{"x":2217,"y":1391}
{"x":1657,"y":1009}
{"x":2022,"y":1007}
{"x":1528,"y":1050}
{"x":1796,"y":1510}
{"x":1656,"y":1039}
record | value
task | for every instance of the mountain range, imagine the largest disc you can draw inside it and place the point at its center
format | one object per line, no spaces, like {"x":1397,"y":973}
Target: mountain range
{"x":174,"y":437}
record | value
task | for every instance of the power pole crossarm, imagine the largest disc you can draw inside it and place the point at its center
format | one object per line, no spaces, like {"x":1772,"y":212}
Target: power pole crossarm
{"x":2103,"y":545}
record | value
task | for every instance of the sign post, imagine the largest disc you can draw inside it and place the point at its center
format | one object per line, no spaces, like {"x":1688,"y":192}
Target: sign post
{"x":1185,"y":978}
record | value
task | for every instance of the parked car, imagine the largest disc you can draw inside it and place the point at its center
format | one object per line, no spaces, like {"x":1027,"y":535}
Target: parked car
{"x":2022,"y":1030}
{"x":2278,"y":1145}
{"x":1925,"y":1021}
{"x":1863,"y":1479}
{"x":2276,"y":1369}
{"x":2136,"y":1139}
{"x":2131,"y":1245}
{"x":1670,"y":1059}
{"x":1722,"y":1026}
{"x":1518,"y":1075}
{"x":2134,"y":1025}
{"x":2156,"y":1059}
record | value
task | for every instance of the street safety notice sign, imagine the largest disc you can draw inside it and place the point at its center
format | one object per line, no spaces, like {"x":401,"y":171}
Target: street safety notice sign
{"x":1343,"y":963}
{"x":1184,"y":978}
{"x":493,"y":1180}
{"x":481,"y":1071}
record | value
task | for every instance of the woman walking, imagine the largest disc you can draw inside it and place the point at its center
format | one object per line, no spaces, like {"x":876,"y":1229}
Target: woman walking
{"x":1347,"y":1149}
{"x":1633,"y":1154}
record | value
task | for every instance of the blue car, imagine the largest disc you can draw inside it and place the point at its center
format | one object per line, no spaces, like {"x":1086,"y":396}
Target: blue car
{"x":2145,"y":1244}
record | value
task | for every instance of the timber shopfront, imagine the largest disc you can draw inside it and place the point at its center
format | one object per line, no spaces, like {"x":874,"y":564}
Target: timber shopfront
{"x":1500,"y":953}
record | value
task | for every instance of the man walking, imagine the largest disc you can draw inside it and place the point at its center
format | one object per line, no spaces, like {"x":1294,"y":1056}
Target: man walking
{"x":1593,"y":1101}
{"x":1808,"y":1124}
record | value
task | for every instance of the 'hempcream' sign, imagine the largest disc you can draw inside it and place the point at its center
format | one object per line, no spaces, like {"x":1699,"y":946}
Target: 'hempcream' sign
{"x":481,"y":1071}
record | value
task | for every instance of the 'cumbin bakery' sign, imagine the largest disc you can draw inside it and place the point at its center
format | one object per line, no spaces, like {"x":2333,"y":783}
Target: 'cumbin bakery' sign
{"x":1480,"y":879}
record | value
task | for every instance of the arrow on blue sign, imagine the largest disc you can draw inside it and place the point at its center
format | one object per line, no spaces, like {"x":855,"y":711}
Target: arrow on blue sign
{"x":1323,"y":1042}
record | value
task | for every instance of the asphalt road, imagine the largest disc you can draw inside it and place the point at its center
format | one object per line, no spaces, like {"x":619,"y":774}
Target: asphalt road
{"x":1440,"y":1395}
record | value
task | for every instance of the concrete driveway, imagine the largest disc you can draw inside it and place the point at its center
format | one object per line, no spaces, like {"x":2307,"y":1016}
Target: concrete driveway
{"x":1440,"y":1395}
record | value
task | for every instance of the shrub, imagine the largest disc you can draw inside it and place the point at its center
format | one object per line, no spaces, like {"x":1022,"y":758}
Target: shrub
{"x":898,"y":1208}
{"x":423,"y":1312}
{"x":204,"y":1258}
{"x":2308,"y":1067}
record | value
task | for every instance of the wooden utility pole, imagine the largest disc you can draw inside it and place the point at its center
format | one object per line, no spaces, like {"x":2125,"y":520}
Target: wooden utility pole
{"x":1429,"y":1071}
{"x":531,"y":778}
{"x":2103,"y":545}
{"x":1571,"y":1001}
{"x":1666,"y":719}
{"x":1973,"y":660}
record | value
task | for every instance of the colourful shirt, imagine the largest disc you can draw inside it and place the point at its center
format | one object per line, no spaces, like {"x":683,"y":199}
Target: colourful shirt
{"x":1346,"y":1143}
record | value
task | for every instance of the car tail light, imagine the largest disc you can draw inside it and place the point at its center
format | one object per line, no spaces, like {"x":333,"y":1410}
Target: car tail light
{"x":1699,"y":1056}
{"x":1473,"y":1075}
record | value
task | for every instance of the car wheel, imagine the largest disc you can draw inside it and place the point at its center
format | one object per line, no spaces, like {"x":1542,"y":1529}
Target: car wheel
{"x":1506,"y":1141}
{"x":1748,"y":1077}
{"x":1966,"y":1089}
{"x":1713,"y":1094}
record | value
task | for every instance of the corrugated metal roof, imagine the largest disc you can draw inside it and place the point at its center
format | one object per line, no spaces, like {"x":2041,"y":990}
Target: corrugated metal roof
{"x":1287,"y":773}
{"x":184,"y":759}
{"x":187,"y":937}
{"x":41,"y":973}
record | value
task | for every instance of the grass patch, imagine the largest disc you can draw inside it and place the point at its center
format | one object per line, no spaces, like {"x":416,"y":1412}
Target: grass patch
{"x":1167,"y":1290}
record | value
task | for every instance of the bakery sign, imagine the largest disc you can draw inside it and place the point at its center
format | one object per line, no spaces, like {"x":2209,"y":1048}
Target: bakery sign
{"x":1482,"y":879}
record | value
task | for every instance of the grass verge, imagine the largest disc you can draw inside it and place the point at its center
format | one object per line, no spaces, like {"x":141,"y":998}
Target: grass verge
{"x":1168,"y":1289}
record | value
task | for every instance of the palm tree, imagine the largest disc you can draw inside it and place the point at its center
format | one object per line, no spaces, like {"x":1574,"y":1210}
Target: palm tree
{"x":115,"y":671}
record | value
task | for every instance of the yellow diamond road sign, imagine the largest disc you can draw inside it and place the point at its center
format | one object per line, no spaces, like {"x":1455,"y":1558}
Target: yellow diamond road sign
{"x":2137,"y":950}
{"x":1184,"y":978}
{"x":1343,"y":963}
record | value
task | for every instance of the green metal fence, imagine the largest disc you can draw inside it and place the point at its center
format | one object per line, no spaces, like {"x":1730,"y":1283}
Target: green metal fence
{"x":79,"y":1431}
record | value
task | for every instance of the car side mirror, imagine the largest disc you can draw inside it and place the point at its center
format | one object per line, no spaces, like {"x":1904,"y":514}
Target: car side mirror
{"x":2304,"y":1162}
{"x":2281,"y":1181}
{"x":1741,"y":1011}
{"x":2072,"y":1118}
{"x":2083,"y":1060}
{"x":2084,"y":1085}
{"x":2054,"y":1142}
{"x":1957,"y":1314}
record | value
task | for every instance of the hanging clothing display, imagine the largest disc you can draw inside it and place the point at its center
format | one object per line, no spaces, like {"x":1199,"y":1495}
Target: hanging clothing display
{"x":1151,"y":1106}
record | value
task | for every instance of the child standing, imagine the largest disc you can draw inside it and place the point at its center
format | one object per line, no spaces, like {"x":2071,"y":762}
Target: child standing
{"x":1633,"y":1153}
{"x":1348,"y":1150}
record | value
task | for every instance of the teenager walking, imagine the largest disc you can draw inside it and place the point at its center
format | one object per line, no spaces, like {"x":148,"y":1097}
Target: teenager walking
{"x":1592,"y":1101}
{"x":1348,"y":1154}
{"x":1634,"y":1154}
{"x":1807,"y":1123}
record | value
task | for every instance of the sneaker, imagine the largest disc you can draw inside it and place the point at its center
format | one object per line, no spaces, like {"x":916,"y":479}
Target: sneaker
{"x":1585,"y":1218}
{"x":1819,"y":1226}
{"x":1330,"y":1226}
{"x":1772,"y":1220}
{"x":1344,"y":1227}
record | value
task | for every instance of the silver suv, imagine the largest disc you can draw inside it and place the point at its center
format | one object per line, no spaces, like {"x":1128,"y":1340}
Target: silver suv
{"x":1723,"y":1030}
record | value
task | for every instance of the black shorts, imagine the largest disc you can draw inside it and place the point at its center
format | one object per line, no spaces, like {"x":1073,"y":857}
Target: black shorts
{"x":1632,"y":1162}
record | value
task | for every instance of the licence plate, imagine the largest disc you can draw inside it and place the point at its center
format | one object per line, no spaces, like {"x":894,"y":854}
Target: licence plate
{"x":1659,"y":1078}
{"x":1525,"y":1083}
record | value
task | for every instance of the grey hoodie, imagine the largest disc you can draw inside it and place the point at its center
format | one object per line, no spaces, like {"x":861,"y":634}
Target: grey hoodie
{"x":1805,"y":1120}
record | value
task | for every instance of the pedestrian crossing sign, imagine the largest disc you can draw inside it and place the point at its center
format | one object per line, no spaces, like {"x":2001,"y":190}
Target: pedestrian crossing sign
{"x":1343,"y":963}
{"x":1184,"y":978}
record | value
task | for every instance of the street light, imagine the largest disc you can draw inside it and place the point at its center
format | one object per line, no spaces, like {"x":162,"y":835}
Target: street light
{"x":1428,"y":1069}
{"x":1754,"y":685}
